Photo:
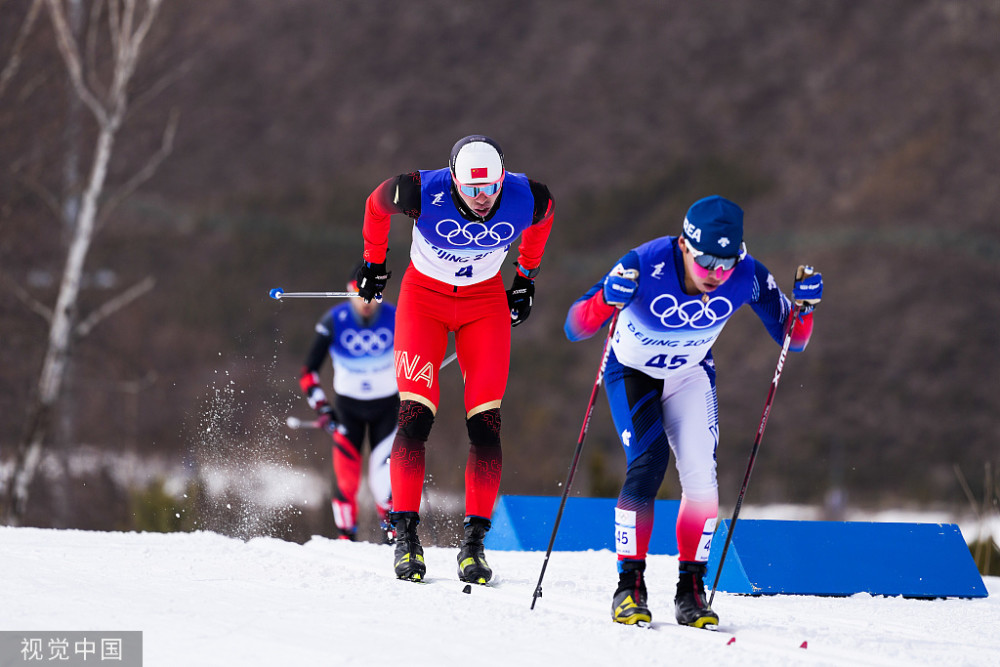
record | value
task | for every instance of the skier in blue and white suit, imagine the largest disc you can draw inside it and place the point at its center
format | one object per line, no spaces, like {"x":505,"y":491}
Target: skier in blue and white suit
{"x":675,"y":295}
{"x":359,"y":338}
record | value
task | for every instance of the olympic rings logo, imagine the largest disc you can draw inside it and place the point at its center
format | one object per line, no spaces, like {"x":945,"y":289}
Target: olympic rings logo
{"x":360,"y":343}
{"x":694,"y":314}
{"x":478,"y":233}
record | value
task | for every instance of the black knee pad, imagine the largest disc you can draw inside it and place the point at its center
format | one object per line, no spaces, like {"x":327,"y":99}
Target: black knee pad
{"x":484,"y":427}
{"x":415,"y":420}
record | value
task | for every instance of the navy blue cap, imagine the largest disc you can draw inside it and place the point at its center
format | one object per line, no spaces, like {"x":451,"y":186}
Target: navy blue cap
{"x":714,"y":225}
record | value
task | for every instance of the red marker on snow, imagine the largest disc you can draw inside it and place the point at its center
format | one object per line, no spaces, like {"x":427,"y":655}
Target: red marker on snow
{"x":731,"y":640}
{"x":804,"y":645}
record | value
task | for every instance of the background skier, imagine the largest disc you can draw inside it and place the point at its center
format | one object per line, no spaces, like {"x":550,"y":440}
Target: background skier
{"x":358,"y":338}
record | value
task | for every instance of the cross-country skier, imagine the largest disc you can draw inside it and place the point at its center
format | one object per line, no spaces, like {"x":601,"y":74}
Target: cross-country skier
{"x":358,"y":337}
{"x":675,"y":294}
{"x":466,"y":218}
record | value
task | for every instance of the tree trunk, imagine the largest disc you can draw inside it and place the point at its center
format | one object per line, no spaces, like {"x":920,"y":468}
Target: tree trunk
{"x":127,"y":30}
{"x":50,"y":383}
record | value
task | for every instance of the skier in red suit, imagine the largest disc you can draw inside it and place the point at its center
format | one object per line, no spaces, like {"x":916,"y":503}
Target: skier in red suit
{"x":466,"y":217}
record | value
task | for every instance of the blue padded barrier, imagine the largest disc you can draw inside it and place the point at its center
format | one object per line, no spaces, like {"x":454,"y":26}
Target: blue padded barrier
{"x":524,"y":523}
{"x":923,"y":560}
{"x":766,"y":557}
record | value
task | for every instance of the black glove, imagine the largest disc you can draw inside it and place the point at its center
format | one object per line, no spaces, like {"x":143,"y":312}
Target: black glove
{"x":327,"y":417}
{"x":371,"y":281}
{"x":519,"y":298}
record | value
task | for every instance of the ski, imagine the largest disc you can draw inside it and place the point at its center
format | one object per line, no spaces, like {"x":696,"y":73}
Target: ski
{"x":728,"y":636}
{"x":414,"y":581}
{"x":711,"y":627}
{"x":467,"y":587}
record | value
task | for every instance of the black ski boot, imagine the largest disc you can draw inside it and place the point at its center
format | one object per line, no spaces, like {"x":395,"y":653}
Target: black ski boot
{"x":628,"y":606}
{"x":472,"y":565}
{"x":690,"y":606}
{"x":409,"y":555}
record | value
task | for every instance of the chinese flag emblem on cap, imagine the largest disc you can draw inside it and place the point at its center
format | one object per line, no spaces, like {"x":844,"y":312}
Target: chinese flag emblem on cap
{"x":479,"y":172}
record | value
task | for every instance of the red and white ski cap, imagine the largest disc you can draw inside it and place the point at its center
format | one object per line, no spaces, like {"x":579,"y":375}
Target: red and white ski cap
{"x":477,"y":160}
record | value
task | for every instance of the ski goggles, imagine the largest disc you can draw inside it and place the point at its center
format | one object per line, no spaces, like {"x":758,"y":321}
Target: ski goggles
{"x":474,"y":190}
{"x":713,"y":262}
{"x":487,"y":189}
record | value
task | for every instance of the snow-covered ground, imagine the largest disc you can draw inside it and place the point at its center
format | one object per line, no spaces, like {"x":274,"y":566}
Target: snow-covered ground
{"x":205,"y":599}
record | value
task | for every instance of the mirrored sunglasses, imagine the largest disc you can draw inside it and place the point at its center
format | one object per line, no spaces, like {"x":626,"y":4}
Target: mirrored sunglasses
{"x":474,"y":190}
{"x":712,"y":262}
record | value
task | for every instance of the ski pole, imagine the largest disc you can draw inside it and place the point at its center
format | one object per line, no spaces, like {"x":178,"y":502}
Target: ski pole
{"x":756,"y":442}
{"x":295,"y":423}
{"x":576,"y":455}
{"x":279,"y":294}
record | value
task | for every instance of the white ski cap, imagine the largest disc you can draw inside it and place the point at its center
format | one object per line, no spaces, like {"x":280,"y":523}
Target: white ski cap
{"x":477,"y":160}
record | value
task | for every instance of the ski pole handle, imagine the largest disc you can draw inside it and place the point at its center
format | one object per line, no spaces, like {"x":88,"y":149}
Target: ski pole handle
{"x":295,"y":423}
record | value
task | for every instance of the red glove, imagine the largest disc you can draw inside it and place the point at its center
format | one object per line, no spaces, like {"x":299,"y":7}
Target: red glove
{"x":309,"y":381}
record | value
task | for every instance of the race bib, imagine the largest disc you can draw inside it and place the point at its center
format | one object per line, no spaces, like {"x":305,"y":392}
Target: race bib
{"x":705,"y":544}
{"x":625,"y":541}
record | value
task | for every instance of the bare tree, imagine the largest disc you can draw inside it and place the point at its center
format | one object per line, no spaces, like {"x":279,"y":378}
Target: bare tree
{"x":14,"y":60}
{"x":126,"y":25}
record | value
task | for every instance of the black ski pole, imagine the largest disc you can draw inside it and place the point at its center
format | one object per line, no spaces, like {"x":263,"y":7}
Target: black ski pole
{"x":576,"y":456}
{"x":756,"y":442}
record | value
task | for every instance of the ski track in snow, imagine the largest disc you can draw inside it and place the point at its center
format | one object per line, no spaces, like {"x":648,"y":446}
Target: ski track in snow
{"x":205,"y":599}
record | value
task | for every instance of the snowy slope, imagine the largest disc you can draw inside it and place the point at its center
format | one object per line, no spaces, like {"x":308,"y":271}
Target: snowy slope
{"x":204,"y":599}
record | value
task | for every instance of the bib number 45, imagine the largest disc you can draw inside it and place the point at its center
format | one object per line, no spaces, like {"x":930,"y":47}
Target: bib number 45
{"x":668,"y":361}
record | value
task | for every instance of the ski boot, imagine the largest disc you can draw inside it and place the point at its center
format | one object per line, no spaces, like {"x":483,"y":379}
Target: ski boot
{"x":472,"y":565}
{"x":628,"y":606}
{"x":409,"y":555}
{"x":388,"y":532}
{"x":349,"y":534}
{"x":690,"y":606}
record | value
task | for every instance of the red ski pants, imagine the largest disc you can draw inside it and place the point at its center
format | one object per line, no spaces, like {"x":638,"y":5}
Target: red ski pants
{"x":427,"y":311}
